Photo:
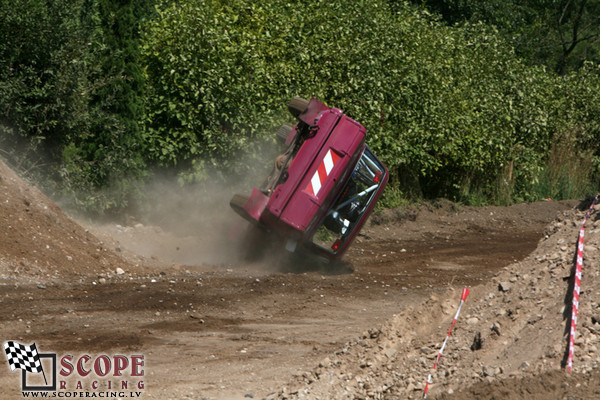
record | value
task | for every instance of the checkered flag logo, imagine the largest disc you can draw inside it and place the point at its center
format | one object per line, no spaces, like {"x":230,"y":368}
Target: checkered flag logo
{"x":23,"y":357}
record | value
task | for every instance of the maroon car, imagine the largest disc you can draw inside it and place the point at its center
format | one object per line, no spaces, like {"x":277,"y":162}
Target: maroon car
{"x":323,"y":188}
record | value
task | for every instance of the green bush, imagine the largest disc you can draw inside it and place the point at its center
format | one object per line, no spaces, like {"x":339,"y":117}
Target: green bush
{"x":68,"y":87}
{"x":450,"y":110}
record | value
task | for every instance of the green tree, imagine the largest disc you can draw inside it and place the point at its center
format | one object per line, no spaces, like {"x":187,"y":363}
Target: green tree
{"x":451,"y":110}
{"x":559,"y":34}
{"x":70,"y":87}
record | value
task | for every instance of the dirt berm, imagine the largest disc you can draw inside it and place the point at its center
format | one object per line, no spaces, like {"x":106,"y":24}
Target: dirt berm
{"x":37,"y":240}
{"x":510,"y":342}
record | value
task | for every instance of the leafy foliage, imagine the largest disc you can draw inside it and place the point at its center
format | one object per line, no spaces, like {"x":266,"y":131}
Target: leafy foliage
{"x":559,"y":34}
{"x":69,"y":87}
{"x":450,"y":110}
{"x":101,"y":92}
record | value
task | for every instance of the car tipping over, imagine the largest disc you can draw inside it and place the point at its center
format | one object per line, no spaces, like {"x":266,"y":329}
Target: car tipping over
{"x":322,"y":188}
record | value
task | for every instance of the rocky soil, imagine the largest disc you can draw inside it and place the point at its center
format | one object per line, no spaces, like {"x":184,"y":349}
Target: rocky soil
{"x":215,"y":326}
{"x":510,"y":341}
{"x":39,"y":241}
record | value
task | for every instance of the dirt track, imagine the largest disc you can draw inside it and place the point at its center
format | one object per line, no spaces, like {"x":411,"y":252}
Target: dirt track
{"x":230,"y":328}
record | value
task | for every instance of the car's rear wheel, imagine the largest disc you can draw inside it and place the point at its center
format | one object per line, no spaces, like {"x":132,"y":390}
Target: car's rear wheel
{"x":284,"y":132}
{"x":237,"y":203}
{"x":297,"y":106}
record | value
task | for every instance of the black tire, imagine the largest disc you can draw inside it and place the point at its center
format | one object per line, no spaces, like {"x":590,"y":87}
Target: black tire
{"x":283,"y":132}
{"x":297,"y":106}
{"x":237,"y":203}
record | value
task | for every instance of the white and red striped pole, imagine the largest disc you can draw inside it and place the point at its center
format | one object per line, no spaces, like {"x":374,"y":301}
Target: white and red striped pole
{"x":463,"y":297}
{"x":577,"y":286}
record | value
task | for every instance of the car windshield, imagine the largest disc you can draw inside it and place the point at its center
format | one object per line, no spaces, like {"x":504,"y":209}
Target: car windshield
{"x":354,"y":199}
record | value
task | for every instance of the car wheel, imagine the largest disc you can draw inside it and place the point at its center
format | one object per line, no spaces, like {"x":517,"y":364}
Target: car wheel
{"x":297,"y":106}
{"x":284,"y":132}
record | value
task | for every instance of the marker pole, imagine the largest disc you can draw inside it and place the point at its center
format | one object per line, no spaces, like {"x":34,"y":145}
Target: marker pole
{"x":577,"y":286}
{"x":463,"y":297}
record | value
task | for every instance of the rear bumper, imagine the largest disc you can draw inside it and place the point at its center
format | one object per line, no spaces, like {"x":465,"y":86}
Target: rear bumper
{"x":256,"y":204}
{"x":255,"y":211}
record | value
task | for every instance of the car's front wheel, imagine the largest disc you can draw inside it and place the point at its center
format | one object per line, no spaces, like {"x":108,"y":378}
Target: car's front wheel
{"x":283,"y":132}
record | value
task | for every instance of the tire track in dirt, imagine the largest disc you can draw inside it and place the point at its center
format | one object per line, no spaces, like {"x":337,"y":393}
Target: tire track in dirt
{"x":237,"y":327}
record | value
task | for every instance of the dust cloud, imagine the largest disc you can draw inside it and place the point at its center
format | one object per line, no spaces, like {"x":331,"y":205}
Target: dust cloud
{"x":193,"y":224}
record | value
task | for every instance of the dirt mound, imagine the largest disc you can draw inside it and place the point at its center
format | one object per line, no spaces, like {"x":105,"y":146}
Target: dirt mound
{"x":37,"y":240}
{"x":543,"y":386}
{"x":514,"y":327}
